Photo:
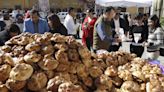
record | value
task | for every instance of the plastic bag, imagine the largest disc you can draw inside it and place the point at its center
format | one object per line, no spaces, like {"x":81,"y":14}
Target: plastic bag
{"x":156,"y":62}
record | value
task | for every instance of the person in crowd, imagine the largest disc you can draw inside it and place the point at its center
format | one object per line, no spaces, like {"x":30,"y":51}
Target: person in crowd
{"x":2,"y":25}
{"x":35,"y":24}
{"x":155,"y":38}
{"x":102,"y":38}
{"x":27,"y":14}
{"x":55,"y":25}
{"x":145,"y":21}
{"x":116,"y":24}
{"x":19,"y":22}
{"x":130,"y":20}
{"x":11,"y":31}
{"x":69,"y":22}
{"x":77,"y":22}
{"x":18,"y":14}
{"x":126,"y":29}
{"x":87,"y":28}
{"x":7,"y":19}
{"x":137,"y":41}
{"x":83,"y":17}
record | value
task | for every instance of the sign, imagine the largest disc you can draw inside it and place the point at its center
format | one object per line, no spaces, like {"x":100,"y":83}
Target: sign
{"x":44,"y":5}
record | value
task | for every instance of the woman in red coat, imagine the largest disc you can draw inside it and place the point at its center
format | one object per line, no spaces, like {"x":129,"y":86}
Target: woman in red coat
{"x":88,"y":28}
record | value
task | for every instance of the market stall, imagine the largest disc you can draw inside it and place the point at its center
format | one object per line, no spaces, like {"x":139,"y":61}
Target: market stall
{"x":132,"y":6}
{"x":124,"y":3}
{"x":56,"y":63}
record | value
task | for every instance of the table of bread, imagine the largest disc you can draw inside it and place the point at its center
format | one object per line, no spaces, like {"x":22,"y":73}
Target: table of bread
{"x":56,"y":63}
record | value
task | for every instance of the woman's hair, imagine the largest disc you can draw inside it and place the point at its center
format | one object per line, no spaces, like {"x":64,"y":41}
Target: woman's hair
{"x":55,"y":20}
{"x":156,"y":21}
{"x":13,"y":28}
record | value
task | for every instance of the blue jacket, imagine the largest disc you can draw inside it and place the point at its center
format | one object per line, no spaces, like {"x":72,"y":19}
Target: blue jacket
{"x":29,"y":27}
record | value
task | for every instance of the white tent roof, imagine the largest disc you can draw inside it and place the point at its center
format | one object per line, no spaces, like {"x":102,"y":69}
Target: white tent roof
{"x":124,"y":3}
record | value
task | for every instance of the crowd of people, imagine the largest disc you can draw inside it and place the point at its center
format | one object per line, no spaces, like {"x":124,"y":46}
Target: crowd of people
{"x":106,"y":31}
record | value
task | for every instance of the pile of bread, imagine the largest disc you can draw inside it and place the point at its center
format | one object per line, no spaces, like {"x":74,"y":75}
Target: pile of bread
{"x":56,"y":63}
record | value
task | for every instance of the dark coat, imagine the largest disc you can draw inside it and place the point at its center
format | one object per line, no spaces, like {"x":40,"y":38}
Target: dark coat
{"x":140,"y":29}
{"x":2,"y":25}
{"x":60,"y":29}
{"x":4,"y":36}
{"x":123,"y":24}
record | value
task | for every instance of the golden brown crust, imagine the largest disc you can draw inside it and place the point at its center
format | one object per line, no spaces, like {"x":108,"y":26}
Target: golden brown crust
{"x":104,"y":83}
{"x":130,"y":86}
{"x":111,"y":71}
{"x":53,"y":83}
{"x":3,"y":88}
{"x":49,"y":74}
{"x":58,"y":38}
{"x":67,"y":86}
{"x":53,"y":62}
{"x":117,"y":81}
{"x":6,"y":48}
{"x":61,"y":56}
{"x":7,"y":58}
{"x":32,"y":57}
{"x":82,"y":71}
{"x":21,"y":72}
{"x":125,"y":75}
{"x":4,"y":72}
{"x":84,"y":53}
{"x":15,"y":85}
{"x":95,"y":71}
{"x":48,"y":63}
{"x":73,"y":55}
{"x":37,"y":81}
{"x":33,"y":47}
{"x":49,"y":49}
{"x":61,"y":46}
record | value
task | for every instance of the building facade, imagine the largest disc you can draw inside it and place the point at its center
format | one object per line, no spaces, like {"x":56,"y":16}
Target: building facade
{"x":158,"y":8}
{"x":30,"y":3}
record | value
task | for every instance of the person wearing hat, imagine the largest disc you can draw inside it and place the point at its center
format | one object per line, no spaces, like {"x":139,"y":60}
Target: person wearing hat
{"x":88,"y":28}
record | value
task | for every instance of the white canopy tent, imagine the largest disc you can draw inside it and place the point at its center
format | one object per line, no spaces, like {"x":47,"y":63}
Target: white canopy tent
{"x":124,"y":3}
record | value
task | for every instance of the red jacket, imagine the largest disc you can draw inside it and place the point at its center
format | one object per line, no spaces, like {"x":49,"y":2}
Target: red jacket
{"x":88,"y":28}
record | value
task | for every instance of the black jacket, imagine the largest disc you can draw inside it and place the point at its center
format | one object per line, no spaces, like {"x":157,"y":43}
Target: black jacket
{"x":4,"y":36}
{"x":123,"y":24}
{"x":60,"y":29}
{"x":140,"y":29}
{"x":2,"y":25}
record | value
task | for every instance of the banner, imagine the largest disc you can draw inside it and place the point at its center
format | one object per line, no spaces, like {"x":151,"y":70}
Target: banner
{"x":44,"y":5}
